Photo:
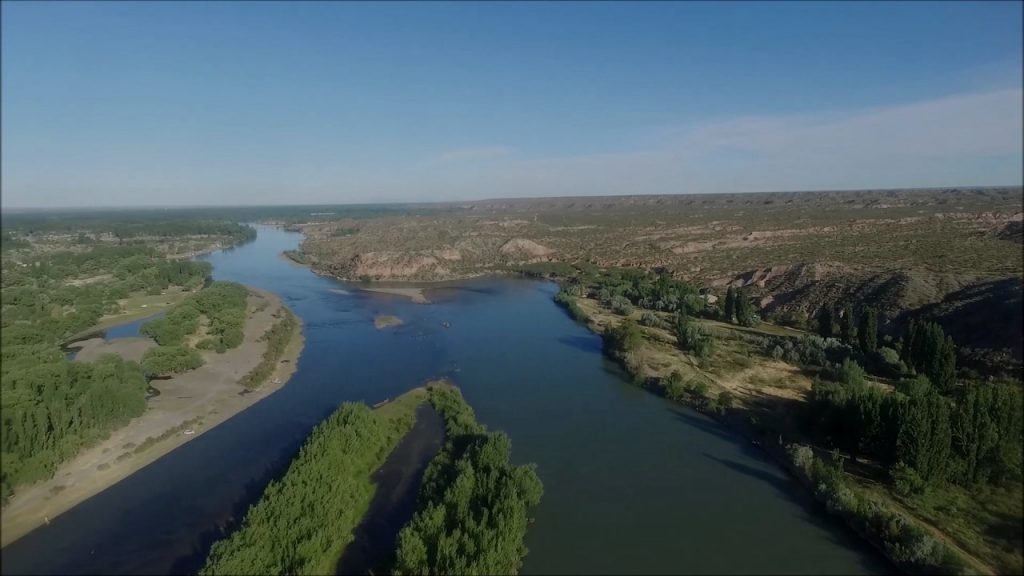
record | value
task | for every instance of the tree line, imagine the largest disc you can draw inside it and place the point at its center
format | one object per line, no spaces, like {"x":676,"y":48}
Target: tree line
{"x":302,"y":522}
{"x":277,"y":338}
{"x":930,"y":429}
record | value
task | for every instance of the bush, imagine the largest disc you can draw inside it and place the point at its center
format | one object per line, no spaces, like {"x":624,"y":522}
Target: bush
{"x":564,"y":299}
{"x":167,"y":360}
{"x":621,"y":305}
{"x":621,"y":339}
{"x":905,"y":480}
{"x":724,"y":401}
{"x":889,"y":362}
{"x":651,"y":319}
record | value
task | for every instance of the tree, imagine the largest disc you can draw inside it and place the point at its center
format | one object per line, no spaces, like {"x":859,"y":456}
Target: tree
{"x":691,"y":337}
{"x":847,"y":329}
{"x":825,"y":322}
{"x":745,"y":315}
{"x":928,"y":350}
{"x":925,"y":437}
{"x":975,"y":433}
{"x":623,"y":338}
{"x":166,"y":360}
{"x":868,"y":331}
{"x":730,"y":304}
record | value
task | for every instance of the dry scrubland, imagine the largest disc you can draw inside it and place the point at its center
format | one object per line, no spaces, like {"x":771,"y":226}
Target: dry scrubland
{"x":950,"y":254}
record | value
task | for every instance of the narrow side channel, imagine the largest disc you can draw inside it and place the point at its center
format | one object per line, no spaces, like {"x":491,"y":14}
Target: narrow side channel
{"x":398,"y":482}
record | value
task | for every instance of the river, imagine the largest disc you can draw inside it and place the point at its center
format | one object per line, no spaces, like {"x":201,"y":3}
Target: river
{"x":633,"y":483}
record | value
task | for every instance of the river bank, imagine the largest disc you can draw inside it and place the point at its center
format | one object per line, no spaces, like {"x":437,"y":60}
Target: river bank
{"x":763,"y":412}
{"x":188,"y":405}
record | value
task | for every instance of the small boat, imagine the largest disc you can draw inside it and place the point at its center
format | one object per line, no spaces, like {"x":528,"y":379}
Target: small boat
{"x":189,"y":432}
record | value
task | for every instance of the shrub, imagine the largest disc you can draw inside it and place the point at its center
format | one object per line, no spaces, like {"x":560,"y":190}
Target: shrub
{"x":651,"y":319}
{"x":621,"y":305}
{"x":905,"y":480}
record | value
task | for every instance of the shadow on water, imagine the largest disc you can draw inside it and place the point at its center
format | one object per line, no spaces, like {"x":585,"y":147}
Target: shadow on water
{"x":192,"y":562}
{"x":398,"y":482}
{"x":584,"y":343}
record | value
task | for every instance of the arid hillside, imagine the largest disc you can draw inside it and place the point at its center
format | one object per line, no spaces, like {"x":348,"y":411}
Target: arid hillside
{"x":905,"y":251}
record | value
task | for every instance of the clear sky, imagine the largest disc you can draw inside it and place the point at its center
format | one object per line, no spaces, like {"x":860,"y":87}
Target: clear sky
{"x":119,"y":103}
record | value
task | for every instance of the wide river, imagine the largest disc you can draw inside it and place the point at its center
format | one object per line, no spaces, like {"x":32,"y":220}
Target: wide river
{"x":632,"y":483}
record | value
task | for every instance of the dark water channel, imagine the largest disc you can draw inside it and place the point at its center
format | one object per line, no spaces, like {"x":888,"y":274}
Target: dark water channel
{"x":393,"y":504}
{"x":633,"y":484}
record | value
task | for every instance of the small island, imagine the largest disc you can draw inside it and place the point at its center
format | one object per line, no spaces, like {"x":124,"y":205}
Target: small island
{"x":386,"y":321}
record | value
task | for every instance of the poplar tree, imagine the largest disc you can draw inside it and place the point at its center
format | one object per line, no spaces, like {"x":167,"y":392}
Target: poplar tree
{"x":730,"y":304}
{"x":868,"y":332}
{"x":847,"y":330}
{"x":825,"y":323}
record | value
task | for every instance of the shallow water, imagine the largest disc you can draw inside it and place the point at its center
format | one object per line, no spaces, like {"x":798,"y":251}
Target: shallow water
{"x":633,"y":484}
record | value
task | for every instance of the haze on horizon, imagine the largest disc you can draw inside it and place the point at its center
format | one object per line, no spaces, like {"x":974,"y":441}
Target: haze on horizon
{"x":185,"y":104}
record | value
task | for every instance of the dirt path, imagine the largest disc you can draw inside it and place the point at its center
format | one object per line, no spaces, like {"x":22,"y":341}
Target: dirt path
{"x":195,"y":401}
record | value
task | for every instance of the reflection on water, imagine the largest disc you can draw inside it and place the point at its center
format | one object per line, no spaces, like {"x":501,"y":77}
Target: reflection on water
{"x":633,"y":484}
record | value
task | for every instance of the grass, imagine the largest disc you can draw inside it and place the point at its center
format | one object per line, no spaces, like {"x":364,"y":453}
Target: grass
{"x":985,"y":520}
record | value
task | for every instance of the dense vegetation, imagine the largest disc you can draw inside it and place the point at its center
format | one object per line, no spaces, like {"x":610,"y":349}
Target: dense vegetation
{"x":52,"y":407}
{"x":224,"y":306}
{"x":471,"y":515}
{"x":127,"y":226}
{"x":303,"y":521}
{"x":169,"y":360}
{"x":277,"y":338}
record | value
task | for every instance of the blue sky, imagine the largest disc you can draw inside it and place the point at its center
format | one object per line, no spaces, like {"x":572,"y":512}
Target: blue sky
{"x":120,"y":103}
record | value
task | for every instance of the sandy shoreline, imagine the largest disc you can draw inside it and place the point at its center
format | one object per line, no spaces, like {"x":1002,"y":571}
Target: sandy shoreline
{"x":413,"y":293}
{"x":213,"y":396}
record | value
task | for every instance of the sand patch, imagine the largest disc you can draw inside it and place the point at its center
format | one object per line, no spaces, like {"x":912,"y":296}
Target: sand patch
{"x":412,"y":293}
{"x":386,"y":321}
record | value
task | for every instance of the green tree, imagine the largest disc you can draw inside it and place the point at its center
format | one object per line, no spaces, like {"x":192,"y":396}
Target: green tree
{"x":975,"y":432}
{"x":825,"y":328}
{"x":847,"y":327}
{"x":730,"y":305}
{"x":745,"y":315}
{"x":868,"y":330}
{"x":691,"y":337}
{"x":623,"y":338}
{"x":925,"y":437}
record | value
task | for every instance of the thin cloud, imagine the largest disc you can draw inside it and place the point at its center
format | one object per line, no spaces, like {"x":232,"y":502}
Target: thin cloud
{"x":472,"y":153}
{"x":959,"y":140}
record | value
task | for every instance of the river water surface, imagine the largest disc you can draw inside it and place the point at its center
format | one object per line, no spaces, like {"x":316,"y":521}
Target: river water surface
{"x":633,"y":484}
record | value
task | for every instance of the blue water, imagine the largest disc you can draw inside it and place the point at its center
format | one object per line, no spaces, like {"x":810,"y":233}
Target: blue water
{"x":633,"y":484}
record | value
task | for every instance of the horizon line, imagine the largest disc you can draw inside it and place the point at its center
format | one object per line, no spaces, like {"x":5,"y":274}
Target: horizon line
{"x":27,"y":208}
